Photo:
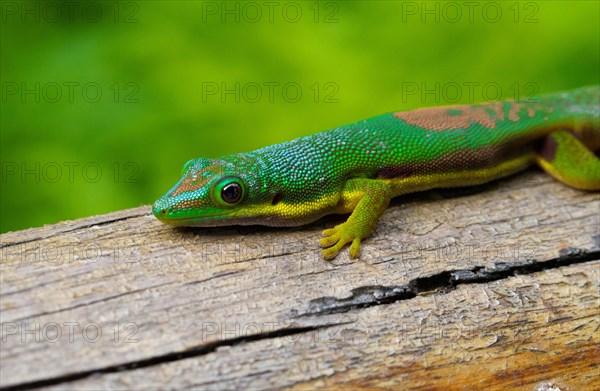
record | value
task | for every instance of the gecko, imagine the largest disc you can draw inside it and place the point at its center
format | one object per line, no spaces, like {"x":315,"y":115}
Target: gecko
{"x":357,"y":169}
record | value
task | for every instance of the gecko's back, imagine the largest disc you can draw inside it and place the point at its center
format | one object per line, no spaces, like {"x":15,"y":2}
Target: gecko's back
{"x":436,"y":147}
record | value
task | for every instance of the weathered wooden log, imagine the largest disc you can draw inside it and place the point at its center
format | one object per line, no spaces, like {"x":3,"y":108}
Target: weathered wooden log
{"x":493,"y":287}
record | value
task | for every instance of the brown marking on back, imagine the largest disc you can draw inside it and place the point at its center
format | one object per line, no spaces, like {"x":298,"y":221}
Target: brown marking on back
{"x":485,"y":157}
{"x":444,"y":118}
{"x":548,"y":148}
{"x":463,"y":116}
{"x":589,"y":136}
{"x":398,"y":171}
{"x":194,"y":180}
{"x":515,"y":108}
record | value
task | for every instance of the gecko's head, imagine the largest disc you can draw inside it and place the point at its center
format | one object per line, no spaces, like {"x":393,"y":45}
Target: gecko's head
{"x":209,"y":193}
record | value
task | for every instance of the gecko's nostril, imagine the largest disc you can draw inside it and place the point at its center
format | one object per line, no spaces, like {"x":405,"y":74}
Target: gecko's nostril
{"x":160,"y":210}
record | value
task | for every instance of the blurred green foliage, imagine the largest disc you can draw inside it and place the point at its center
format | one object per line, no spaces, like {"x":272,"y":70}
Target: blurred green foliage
{"x":103,"y":102}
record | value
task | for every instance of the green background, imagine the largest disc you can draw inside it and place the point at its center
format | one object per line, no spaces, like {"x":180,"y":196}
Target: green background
{"x":151,"y":62}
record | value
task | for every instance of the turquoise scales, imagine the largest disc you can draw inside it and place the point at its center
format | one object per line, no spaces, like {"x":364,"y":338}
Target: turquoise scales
{"x":359,"y":167}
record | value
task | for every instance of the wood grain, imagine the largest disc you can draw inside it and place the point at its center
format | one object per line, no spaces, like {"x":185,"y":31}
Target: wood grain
{"x":491,"y":287}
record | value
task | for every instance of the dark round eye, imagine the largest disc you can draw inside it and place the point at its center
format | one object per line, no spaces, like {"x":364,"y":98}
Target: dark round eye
{"x":231,"y":193}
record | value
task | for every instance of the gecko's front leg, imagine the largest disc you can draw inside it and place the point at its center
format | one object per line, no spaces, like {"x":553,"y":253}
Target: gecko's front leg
{"x":366,"y":199}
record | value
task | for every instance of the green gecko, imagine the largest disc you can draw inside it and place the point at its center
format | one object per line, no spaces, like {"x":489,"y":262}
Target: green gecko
{"x":358,"y":168}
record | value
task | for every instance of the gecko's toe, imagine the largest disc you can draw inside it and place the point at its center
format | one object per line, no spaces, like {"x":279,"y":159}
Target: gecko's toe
{"x":331,"y":231}
{"x":331,"y":252}
{"x":330,"y":240}
{"x":355,"y":248}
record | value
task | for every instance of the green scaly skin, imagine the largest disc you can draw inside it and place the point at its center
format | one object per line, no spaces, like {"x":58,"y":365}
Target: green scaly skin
{"x":358,"y":168}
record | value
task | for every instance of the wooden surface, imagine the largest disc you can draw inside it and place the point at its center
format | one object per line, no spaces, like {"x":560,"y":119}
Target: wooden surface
{"x":494,"y":287}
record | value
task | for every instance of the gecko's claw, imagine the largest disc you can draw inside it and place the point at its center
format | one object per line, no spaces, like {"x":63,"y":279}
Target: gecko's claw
{"x":336,"y":238}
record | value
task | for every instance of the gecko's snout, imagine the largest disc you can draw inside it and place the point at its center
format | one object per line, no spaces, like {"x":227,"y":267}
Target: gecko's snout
{"x":161,"y":209}
{"x":158,"y":212}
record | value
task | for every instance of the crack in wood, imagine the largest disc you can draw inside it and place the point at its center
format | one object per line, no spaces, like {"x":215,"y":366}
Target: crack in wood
{"x":195,"y":351}
{"x":77,"y":228}
{"x":216,"y":275}
{"x":89,"y":303}
{"x":3,"y":295}
{"x":444,"y":282}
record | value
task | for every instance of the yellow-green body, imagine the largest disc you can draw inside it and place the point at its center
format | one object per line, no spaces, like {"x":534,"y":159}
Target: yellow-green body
{"x":358,"y":168}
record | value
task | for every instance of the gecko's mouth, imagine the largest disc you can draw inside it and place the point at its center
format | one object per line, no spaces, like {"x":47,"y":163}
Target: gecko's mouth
{"x":168,"y":211}
{"x":188,"y":218}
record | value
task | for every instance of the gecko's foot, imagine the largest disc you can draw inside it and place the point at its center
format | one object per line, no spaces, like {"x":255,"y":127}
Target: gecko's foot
{"x":367,"y":198}
{"x":336,"y":238}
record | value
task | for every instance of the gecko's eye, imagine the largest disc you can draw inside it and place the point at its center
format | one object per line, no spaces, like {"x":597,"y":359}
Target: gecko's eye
{"x":229,"y":191}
